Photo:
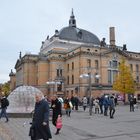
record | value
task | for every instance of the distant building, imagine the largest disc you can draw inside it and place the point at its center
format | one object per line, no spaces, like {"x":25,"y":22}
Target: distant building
{"x":69,"y":53}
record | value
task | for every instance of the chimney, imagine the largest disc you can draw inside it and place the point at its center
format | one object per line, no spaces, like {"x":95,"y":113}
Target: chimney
{"x":112,"y":36}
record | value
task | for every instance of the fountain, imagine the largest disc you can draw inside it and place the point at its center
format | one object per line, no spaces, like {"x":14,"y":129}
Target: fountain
{"x":22,"y":100}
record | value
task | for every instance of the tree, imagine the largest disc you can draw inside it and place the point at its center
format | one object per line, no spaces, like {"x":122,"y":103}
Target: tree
{"x":124,"y":82}
{"x":6,"y":88}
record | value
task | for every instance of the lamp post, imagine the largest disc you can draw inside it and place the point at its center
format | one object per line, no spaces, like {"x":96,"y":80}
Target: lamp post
{"x":89,"y":76}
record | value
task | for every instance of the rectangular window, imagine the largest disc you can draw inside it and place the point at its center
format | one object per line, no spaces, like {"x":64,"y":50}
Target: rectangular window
{"x":137,"y":79}
{"x":96,"y":64}
{"x":68,"y":67}
{"x":60,"y":72}
{"x":88,"y":63}
{"x":137,"y":68}
{"x":59,"y":87}
{"x":68,"y":80}
{"x":109,"y":76}
{"x":72,"y":79}
{"x":131,"y":67}
{"x":57,"y":72}
{"x":72,"y":65}
{"x":114,"y":63}
{"x":114,"y":75}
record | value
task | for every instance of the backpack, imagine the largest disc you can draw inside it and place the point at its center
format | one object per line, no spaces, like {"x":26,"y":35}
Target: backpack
{"x":6,"y":102}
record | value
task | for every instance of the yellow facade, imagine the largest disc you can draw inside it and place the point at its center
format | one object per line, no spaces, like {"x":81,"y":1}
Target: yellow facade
{"x":62,"y":60}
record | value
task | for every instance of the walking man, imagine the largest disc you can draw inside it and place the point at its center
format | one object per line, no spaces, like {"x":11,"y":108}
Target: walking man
{"x":111,"y":107}
{"x":40,"y":122}
{"x":106,"y":104}
{"x":4,"y":104}
{"x":131,"y":100}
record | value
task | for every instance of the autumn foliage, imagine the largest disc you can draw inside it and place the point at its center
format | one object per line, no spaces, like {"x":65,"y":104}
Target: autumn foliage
{"x":124,"y":82}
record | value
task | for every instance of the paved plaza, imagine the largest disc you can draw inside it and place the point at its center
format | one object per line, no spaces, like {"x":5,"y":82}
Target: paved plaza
{"x":81,"y":126}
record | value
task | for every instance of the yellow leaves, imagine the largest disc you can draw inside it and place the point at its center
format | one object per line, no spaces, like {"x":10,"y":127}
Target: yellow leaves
{"x":5,"y":88}
{"x":124,"y":81}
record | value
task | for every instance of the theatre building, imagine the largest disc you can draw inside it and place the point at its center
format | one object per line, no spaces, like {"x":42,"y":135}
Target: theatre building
{"x":67,"y":58}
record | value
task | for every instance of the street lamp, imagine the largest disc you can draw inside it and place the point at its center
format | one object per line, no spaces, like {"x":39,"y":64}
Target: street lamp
{"x":89,"y":76}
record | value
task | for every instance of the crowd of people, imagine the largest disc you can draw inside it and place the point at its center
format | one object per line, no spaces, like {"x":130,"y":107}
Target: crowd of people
{"x":40,"y":129}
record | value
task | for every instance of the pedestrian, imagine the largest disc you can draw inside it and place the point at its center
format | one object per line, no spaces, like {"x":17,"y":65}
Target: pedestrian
{"x":76,"y":101}
{"x":91,"y":103}
{"x":61,"y":101}
{"x":106,"y":104}
{"x":4,"y":104}
{"x":96,"y":103}
{"x":84,"y":101}
{"x":40,"y":124}
{"x":57,"y":110}
{"x":68,"y":106}
{"x":116,"y":100}
{"x":131,"y":101}
{"x":101,"y":99}
{"x":111,"y":107}
{"x":73,"y":102}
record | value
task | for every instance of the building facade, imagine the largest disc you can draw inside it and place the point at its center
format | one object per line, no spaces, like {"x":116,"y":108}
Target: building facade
{"x":70,"y":53}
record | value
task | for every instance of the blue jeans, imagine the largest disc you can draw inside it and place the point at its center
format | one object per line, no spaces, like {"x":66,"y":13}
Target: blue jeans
{"x":3,"y":113}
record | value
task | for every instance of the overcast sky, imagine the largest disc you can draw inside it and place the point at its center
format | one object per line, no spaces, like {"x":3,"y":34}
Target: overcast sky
{"x":24,"y":24}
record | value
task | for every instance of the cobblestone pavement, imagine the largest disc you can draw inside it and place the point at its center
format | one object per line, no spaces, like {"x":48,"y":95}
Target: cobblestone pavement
{"x":81,"y":126}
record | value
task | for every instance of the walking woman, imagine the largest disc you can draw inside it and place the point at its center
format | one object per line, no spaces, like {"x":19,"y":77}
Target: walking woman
{"x":57,"y":110}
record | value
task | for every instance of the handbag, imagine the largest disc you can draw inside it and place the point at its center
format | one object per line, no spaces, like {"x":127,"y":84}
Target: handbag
{"x":59,"y":122}
{"x":32,"y":132}
{"x":70,"y":104}
{"x":65,"y":106}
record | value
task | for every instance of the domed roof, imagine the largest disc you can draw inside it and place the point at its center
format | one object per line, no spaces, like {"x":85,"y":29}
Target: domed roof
{"x":80,"y":35}
{"x":73,"y":33}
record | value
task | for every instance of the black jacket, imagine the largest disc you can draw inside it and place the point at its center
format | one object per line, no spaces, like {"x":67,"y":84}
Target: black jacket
{"x":41,"y":114}
{"x":56,"y":107}
{"x":4,"y":102}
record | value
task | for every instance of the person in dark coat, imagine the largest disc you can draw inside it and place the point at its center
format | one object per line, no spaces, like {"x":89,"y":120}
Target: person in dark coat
{"x":40,"y":122}
{"x":4,"y":103}
{"x":106,"y":105}
{"x":56,"y":107}
{"x":101,"y":99}
{"x":131,"y":100}
{"x":111,"y":107}
{"x":76,"y":101}
{"x":68,"y":108}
